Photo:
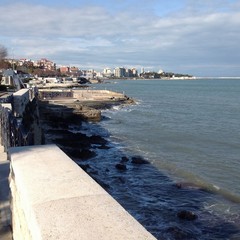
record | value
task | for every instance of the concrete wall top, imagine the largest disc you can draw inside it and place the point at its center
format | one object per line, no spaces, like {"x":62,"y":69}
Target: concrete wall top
{"x":7,"y":105}
{"x":20,"y":99}
{"x":21,"y":92}
{"x":61,"y":201}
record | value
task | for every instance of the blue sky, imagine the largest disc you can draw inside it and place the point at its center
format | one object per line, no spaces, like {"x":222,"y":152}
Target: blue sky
{"x":198,"y":37}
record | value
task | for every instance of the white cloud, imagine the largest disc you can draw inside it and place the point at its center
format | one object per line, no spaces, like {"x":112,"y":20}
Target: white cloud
{"x":95,"y":35}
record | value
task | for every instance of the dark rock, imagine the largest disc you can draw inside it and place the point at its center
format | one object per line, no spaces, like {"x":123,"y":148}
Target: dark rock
{"x":95,"y":139}
{"x":83,"y":154}
{"x":120,"y":166}
{"x":178,"y":185}
{"x":139,"y":160}
{"x":86,"y":154}
{"x":187,"y":215}
{"x":188,"y":185}
{"x":74,"y":144}
{"x":125,"y":159}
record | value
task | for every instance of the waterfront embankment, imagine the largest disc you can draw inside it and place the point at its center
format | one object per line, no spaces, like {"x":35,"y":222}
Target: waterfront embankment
{"x":62,"y":113}
{"x":51,"y":197}
{"x":86,"y":104}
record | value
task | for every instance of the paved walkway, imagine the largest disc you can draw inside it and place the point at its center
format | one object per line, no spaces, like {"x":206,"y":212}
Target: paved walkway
{"x":5,"y":213}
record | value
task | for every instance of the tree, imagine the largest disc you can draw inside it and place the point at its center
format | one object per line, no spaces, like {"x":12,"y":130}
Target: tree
{"x":3,"y":52}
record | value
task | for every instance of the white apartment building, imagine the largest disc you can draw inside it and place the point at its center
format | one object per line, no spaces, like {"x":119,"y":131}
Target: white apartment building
{"x":107,"y":72}
{"x":120,"y":72}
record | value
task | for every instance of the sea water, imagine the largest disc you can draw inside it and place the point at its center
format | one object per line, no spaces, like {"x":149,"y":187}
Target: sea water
{"x":189,"y":130}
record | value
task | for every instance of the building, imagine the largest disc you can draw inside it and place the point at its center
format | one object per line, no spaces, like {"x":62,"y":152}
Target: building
{"x":107,"y":72}
{"x":64,"y":70}
{"x":25,"y":62}
{"x":46,"y":64}
{"x":120,"y":72}
{"x":134,"y":72}
{"x":11,"y":78}
{"x":131,"y":73}
{"x":88,"y":74}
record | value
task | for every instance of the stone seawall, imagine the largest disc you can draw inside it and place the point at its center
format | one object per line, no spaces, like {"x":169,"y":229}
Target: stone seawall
{"x":52,"y":198}
{"x":65,"y":103}
{"x":19,"y":118}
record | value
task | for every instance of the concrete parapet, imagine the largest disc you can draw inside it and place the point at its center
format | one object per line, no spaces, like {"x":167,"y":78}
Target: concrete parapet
{"x":79,"y":94}
{"x":20,"y":99}
{"x":5,"y":112}
{"x":5,"y":213}
{"x":97,"y":95}
{"x":53,"y":198}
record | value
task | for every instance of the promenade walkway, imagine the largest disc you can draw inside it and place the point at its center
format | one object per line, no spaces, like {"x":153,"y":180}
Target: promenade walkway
{"x":5,"y":214}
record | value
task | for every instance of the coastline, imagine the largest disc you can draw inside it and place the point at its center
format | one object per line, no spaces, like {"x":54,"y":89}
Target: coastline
{"x":86,"y":144}
{"x":156,"y":201}
{"x":58,"y":127}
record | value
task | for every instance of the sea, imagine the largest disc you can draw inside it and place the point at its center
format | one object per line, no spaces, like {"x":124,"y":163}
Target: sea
{"x":189,"y":132}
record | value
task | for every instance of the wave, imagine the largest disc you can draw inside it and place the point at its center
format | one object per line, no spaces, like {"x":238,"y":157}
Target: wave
{"x":187,"y":179}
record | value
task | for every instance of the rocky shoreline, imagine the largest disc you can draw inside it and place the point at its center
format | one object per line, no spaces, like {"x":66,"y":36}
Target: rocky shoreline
{"x":62,"y":123}
{"x":167,"y":209}
{"x":83,"y":104}
{"x":137,"y":185}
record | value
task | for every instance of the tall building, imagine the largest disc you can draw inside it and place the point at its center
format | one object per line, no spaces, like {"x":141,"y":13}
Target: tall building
{"x":119,"y":72}
{"x":134,"y":72}
{"x":107,"y":72}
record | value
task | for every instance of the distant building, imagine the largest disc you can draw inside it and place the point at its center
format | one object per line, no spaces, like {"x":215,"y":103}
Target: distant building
{"x":88,"y":74}
{"x":25,"y":62}
{"x":46,"y":64}
{"x":99,"y":75}
{"x":107,"y":72}
{"x":134,"y":72}
{"x":11,"y":78}
{"x":74,"y":70}
{"x":131,"y":73}
{"x":64,"y":70}
{"x":119,"y":72}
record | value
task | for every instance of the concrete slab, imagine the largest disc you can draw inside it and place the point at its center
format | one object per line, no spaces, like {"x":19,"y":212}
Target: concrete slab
{"x":53,"y":198}
{"x":91,"y":217}
{"x":50,"y":171}
{"x":5,"y":213}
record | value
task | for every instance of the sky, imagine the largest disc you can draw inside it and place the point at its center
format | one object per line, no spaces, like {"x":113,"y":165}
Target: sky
{"x":197,"y":37}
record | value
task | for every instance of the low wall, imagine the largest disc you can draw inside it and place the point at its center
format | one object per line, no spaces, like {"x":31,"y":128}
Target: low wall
{"x":80,"y":94}
{"x":19,"y":119}
{"x":97,"y":95}
{"x":55,"y":93}
{"x":53,"y":198}
{"x":20,"y":99}
{"x":5,"y":123}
